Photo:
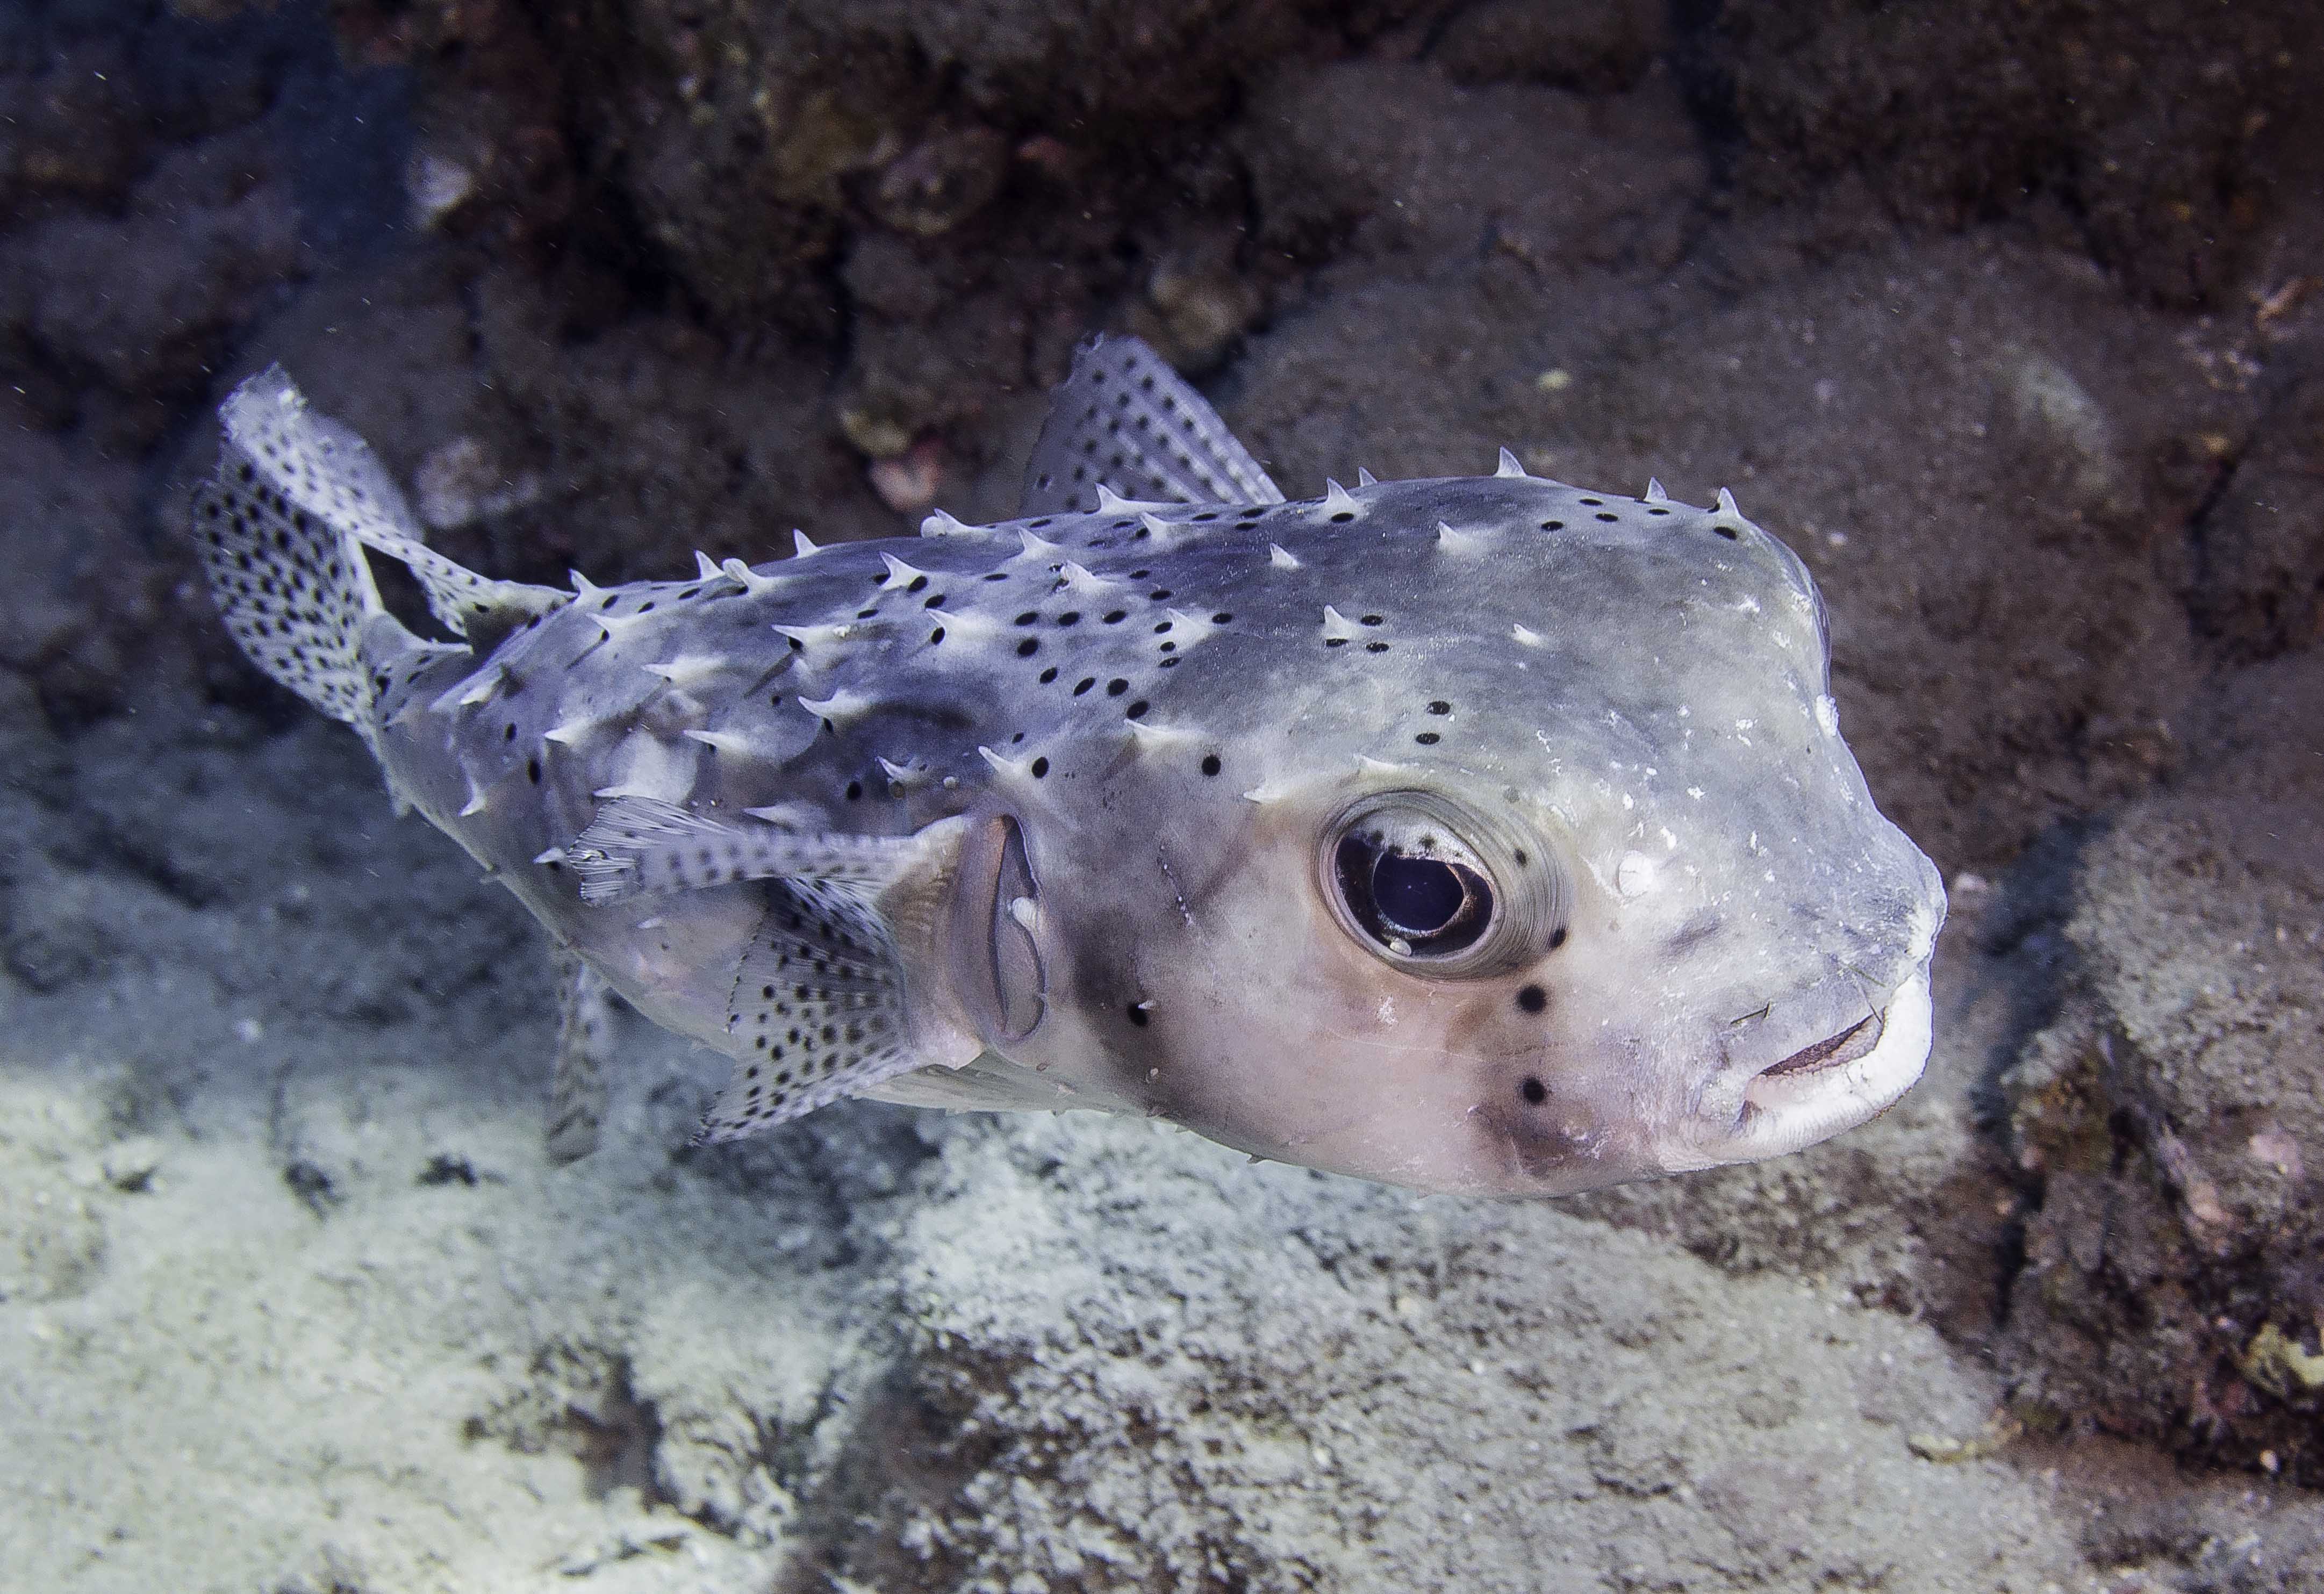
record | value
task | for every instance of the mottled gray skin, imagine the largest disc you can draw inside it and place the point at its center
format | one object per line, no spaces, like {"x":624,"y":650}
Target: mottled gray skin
{"x":1729,"y":892}
{"x":1126,"y":747}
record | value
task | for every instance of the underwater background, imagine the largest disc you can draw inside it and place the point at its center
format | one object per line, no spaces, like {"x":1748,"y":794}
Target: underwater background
{"x":2008,"y":316}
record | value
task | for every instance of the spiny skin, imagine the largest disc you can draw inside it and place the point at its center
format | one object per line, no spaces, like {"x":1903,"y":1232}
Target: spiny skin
{"x":1617,"y":708}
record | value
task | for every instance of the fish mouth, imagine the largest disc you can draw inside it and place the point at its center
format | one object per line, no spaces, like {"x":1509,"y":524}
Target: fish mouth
{"x":1837,"y":1083}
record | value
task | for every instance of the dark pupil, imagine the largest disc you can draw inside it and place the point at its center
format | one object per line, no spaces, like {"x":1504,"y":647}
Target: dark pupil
{"x":1433,"y":905}
{"x":1419,"y":896}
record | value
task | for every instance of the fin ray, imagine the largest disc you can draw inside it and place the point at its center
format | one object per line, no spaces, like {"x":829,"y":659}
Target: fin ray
{"x":1124,"y":416}
{"x":640,"y":846}
{"x":816,"y":1012}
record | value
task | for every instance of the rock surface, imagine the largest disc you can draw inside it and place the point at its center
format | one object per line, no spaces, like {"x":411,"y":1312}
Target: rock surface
{"x":2172,"y":1119}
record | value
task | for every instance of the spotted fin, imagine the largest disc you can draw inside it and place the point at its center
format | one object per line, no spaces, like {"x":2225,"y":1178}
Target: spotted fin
{"x":1126,"y":419}
{"x":838,"y":989}
{"x":293,"y":585}
{"x":578,"y":1091}
{"x":320,"y":468}
{"x":817,"y":1012}
{"x":640,"y":846}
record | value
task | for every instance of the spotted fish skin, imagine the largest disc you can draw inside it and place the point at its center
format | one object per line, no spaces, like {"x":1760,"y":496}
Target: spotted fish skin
{"x":1175,"y":808}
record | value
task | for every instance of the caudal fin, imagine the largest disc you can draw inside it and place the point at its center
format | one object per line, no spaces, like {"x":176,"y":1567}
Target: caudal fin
{"x":289,"y":579}
{"x":282,"y":529}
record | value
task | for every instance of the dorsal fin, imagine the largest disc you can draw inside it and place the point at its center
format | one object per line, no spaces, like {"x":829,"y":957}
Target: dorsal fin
{"x":1124,"y":416}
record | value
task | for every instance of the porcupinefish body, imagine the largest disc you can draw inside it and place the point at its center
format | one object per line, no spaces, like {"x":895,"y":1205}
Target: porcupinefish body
{"x":1482,"y":835}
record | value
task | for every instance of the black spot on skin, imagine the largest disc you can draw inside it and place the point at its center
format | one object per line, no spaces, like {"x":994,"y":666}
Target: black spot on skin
{"x":1048,"y":675}
{"x":1137,"y":1015}
{"x":1728,"y":532}
{"x":1533,"y":999}
{"x":1533,"y":1091}
{"x":1028,"y":647}
{"x":1440,"y":706}
{"x":1040,"y":767}
{"x":532,"y":771}
{"x":1211,"y":765}
{"x":1427,"y":739}
{"x":1557,"y":937}
{"x":1553,"y":525}
{"x":1116,"y":687}
{"x":855,"y":791}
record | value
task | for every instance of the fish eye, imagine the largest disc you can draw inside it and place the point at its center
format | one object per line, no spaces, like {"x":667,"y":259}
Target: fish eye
{"x":1414,"y":906}
{"x":1428,"y":885}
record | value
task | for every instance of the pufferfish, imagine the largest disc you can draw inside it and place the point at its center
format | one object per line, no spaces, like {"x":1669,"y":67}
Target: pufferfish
{"x":1481,"y":834}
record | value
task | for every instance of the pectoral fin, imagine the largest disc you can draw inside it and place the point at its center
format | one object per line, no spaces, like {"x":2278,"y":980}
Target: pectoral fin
{"x":841,"y":986}
{"x":817,"y":1014}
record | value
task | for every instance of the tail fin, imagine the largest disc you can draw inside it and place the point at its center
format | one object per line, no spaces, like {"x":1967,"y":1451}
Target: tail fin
{"x":291,"y":583}
{"x":282,"y":529}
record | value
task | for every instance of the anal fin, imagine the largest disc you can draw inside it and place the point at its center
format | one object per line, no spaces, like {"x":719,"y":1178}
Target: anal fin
{"x":578,"y":1091}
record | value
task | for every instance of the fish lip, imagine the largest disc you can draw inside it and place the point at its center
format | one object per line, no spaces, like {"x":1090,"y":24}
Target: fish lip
{"x":1837,"y":1083}
{"x":1835,"y":1051}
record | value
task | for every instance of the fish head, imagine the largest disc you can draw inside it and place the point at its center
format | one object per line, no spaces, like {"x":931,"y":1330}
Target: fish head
{"x":1577,"y":884}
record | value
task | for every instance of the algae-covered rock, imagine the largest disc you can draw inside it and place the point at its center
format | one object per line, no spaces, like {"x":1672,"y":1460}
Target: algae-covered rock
{"x":2161,"y":126}
{"x":753,"y":139}
{"x":2171,"y":1120}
